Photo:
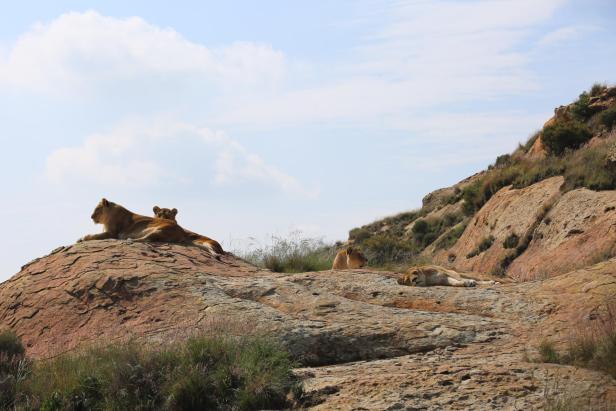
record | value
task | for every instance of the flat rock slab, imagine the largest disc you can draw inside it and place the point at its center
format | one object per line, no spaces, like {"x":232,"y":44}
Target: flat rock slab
{"x":371,"y":343}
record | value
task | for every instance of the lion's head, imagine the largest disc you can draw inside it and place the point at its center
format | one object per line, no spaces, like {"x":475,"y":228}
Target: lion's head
{"x":106,"y":212}
{"x":410,"y":277}
{"x":355,"y":258}
{"x":166,"y":213}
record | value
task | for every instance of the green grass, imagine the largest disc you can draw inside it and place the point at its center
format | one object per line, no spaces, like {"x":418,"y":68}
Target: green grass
{"x":216,"y":373}
{"x":296,"y":254}
{"x":13,"y":367}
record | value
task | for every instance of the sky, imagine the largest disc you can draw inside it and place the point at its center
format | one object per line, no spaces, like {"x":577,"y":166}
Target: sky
{"x":259,"y":119}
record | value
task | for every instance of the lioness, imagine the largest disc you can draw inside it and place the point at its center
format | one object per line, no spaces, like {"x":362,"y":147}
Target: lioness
{"x":427,"y":275}
{"x":123,"y":224}
{"x":349,"y":258}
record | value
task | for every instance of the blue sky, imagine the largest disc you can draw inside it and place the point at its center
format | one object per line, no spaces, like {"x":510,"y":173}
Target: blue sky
{"x":261,"y":118}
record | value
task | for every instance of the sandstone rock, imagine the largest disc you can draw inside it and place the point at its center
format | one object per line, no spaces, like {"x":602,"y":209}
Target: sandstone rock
{"x":417,"y":347}
{"x":578,"y":231}
{"x":510,"y":211}
{"x":105,"y":290}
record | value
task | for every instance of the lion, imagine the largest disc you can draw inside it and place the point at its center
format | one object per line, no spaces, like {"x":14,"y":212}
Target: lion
{"x":169,"y":214}
{"x":428,"y":275}
{"x":349,"y":258}
{"x":166,"y":213}
{"x":123,"y":224}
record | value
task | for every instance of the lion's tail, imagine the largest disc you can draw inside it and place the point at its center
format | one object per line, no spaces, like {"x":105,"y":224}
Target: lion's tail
{"x":208,"y":244}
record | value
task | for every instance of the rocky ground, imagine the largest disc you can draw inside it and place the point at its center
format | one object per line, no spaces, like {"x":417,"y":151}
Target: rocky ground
{"x":365,"y":341}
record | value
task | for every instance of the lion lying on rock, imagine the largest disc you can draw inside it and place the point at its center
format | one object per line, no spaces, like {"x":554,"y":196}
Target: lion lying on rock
{"x":123,"y":224}
{"x":428,"y":275}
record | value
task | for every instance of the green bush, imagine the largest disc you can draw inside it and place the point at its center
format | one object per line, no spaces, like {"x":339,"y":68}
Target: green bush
{"x":359,"y":234}
{"x":564,"y":135}
{"x":581,"y":108}
{"x":608,"y":117}
{"x":218,"y":373}
{"x":295,"y":254}
{"x":382,"y":249}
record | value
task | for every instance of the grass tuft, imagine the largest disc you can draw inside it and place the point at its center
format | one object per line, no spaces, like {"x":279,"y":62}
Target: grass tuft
{"x":205,"y":372}
{"x":296,"y":254}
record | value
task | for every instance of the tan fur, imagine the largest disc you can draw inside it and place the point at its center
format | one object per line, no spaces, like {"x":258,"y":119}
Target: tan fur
{"x":169,"y":214}
{"x":166,"y":213}
{"x":122,"y":224}
{"x":349,"y":258}
{"x":429,"y":275}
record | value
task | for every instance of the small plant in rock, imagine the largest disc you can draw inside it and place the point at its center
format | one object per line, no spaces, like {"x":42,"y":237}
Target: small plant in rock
{"x":484,"y":245}
{"x":511,"y":241}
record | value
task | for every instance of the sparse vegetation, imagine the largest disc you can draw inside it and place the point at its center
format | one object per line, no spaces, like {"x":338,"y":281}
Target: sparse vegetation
{"x":451,"y":237}
{"x":13,"y":368}
{"x":218,"y":373}
{"x":484,"y":245}
{"x":608,"y":117}
{"x":384,"y":249}
{"x":296,"y":254}
{"x":592,"y":345}
{"x":564,"y":135}
{"x":597,"y":89}
{"x":548,"y":353}
{"x":589,"y":167}
{"x":511,"y":241}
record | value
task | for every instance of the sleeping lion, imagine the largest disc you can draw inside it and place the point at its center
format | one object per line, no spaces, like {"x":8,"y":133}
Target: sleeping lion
{"x":428,"y":275}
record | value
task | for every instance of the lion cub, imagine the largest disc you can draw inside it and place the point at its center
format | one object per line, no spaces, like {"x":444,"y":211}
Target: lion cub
{"x":170,"y":213}
{"x":427,"y":275}
{"x":349,"y":258}
{"x":167,"y":214}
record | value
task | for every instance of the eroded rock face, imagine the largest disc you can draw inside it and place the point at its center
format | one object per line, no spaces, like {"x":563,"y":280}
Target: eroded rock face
{"x":509,"y":212}
{"x":579,"y":230}
{"x":418,"y":347}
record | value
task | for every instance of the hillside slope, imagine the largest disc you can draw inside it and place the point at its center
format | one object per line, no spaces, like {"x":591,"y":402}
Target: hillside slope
{"x":543,"y":210}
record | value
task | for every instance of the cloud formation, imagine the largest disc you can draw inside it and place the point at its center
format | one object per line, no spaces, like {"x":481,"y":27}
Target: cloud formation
{"x":127,"y":156}
{"x":78,"y":52}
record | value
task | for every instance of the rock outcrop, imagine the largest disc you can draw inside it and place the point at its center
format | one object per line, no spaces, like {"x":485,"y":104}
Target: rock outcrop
{"x":510,"y":212}
{"x":579,"y":230}
{"x":379,"y":345}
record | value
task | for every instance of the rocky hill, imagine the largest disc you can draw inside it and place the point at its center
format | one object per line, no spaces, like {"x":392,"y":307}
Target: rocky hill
{"x":542,"y":219}
{"x":545,"y":209}
{"x":365,"y":341}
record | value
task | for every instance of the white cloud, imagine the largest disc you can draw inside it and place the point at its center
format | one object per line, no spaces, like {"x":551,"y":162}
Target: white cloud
{"x":80,"y":51}
{"x":425,"y":55}
{"x":122,"y":157}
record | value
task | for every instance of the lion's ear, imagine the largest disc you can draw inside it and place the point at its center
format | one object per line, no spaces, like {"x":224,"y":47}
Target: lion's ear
{"x":105,"y":202}
{"x":174,"y":212}
{"x":156,"y":209}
